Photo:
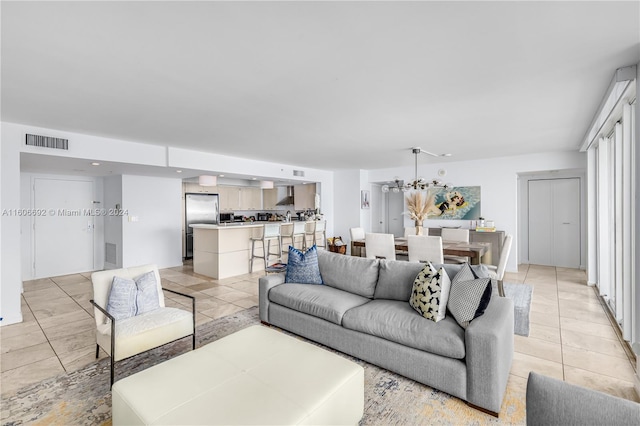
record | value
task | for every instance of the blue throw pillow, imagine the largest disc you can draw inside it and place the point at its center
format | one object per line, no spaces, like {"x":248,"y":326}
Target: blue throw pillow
{"x":302,"y":267}
{"x":122,"y":298}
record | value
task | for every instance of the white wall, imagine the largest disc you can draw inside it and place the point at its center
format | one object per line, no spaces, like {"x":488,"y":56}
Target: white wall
{"x":151,"y":230}
{"x":498,"y":178}
{"x":11,"y":283}
{"x":113,"y":224}
{"x":346,"y":196}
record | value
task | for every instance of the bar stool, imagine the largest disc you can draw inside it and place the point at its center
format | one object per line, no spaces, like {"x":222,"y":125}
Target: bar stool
{"x":321,"y":228}
{"x":298,"y":231}
{"x":309,"y":232}
{"x":270,"y":232}
{"x":287,"y":232}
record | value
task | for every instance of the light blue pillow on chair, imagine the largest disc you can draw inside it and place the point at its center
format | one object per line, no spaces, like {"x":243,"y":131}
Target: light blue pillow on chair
{"x":122,"y":298}
{"x":302,"y":267}
{"x":147,"y":297}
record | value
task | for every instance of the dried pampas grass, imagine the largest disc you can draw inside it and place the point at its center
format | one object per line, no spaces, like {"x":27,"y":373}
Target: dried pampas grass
{"x":417,"y":206}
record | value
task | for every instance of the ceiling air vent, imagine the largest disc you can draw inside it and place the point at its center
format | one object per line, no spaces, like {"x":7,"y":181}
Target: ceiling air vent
{"x":47,"y":142}
{"x":299,"y":173}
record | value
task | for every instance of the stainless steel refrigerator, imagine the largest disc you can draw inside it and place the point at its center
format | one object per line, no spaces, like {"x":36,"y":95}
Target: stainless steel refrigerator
{"x":199,"y":208}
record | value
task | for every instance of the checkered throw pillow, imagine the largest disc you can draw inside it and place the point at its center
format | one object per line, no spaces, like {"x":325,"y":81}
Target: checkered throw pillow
{"x":430,"y":293}
{"x":469,"y":296}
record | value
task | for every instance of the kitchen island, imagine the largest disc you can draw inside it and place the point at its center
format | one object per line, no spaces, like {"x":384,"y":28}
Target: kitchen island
{"x":223,"y":251}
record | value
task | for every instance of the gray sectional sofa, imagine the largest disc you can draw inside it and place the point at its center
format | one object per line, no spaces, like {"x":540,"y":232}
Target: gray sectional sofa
{"x":553,"y":402}
{"x":363,"y":310}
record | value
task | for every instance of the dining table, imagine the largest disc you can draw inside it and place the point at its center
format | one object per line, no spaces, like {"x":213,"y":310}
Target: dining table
{"x":474,"y":251}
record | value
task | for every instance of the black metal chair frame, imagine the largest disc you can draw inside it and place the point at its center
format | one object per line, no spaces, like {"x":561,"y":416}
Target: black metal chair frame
{"x":113,"y":332}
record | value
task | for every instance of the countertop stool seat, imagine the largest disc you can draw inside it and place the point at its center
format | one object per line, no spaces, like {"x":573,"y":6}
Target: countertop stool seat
{"x":320,"y":235}
{"x":254,"y":376}
{"x":269,"y":233}
{"x":287,"y":232}
{"x":298,"y":233}
{"x":309,"y":234}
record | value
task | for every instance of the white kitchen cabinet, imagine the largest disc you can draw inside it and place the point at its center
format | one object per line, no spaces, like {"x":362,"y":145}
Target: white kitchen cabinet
{"x":250,"y":198}
{"x":269,"y":198}
{"x":304,"y":196}
{"x":229,"y":198}
{"x":190,"y":187}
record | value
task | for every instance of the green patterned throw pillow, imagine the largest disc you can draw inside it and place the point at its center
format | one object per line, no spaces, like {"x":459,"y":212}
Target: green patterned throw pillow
{"x":430,"y":293}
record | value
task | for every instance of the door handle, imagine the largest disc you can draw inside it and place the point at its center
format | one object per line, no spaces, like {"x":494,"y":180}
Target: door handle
{"x":566,"y":223}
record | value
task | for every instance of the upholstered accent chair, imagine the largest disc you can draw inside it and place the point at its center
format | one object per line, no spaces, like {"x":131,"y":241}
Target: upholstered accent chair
{"x":124,"y":338}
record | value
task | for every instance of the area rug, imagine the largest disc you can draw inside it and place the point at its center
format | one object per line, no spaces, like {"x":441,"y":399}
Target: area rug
{"x":83,"y":397}
{"x":521,"y":296}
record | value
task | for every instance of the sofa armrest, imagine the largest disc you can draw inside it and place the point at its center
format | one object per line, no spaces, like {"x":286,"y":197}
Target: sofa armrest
{"x":265,"y":284}
{"x":489,"y":354}
{"x":554,"y":402}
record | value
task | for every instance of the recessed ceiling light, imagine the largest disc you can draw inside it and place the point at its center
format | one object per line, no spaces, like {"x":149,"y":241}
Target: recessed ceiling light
{"x":221,"y":175}
{"x":95,"y":163}
{"x":178,"y":171}
{"x":254,"y":178}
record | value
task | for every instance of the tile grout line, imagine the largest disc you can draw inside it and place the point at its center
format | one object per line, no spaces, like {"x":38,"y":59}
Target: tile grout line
{"x":564,"y":374}
{"x":42,"y":329}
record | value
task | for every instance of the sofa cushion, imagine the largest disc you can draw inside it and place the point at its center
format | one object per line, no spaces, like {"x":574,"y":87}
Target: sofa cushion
{"x":469,"y":296}
{"x":398,"y":322}
{"x":122,"y":298}
{"x":302,"y":267}
{"x":320,"y":301}
{"x":396,"y":277}
{"x":147,"y":298}
{"x":430,"y":293}
{"x":352,"y":274}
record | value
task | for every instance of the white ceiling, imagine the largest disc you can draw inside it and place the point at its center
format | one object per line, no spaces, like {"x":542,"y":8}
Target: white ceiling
{"x":330,"y":85}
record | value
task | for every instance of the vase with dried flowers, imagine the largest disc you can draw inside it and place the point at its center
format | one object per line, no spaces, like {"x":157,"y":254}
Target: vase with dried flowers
{"x":418,"y":207}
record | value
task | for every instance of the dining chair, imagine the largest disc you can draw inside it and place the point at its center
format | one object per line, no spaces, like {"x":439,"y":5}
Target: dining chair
{"x":423,"y":248}
{"x":380,"y":246}
{"x":411,"y":230}
{"x":497,"y":272}
{"x":459,"y":235}
{"x":357,"y":234}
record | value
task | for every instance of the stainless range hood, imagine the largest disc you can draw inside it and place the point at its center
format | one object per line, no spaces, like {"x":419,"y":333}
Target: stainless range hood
{"x":287,"y":199}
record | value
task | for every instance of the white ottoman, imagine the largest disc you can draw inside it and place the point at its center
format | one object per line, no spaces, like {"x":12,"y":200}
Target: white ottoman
{"x":255,"y":376}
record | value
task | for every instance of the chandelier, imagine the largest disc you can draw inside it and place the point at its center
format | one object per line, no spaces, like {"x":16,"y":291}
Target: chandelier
{"x":417,"y":184}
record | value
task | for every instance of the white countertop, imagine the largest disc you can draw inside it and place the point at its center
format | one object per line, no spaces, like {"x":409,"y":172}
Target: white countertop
{"x":239,"y":224}
{"x":226,"y":226}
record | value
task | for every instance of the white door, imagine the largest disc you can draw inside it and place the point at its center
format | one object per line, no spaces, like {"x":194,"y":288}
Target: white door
{"x":554,"y":222}
{"x":63,"y":239}
{"x":378,"y":209}
{"x":395,"y":217}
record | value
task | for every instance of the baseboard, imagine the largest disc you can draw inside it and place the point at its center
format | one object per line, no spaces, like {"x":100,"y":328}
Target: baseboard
{"x":13,"y":319}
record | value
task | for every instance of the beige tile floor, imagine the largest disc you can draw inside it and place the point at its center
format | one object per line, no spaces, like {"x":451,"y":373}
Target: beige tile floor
{"x":571,"y":336}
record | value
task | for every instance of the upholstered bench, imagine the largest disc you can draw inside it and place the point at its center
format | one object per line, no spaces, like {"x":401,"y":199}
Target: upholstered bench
{"x":255,"y":376}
